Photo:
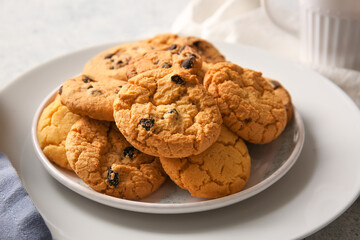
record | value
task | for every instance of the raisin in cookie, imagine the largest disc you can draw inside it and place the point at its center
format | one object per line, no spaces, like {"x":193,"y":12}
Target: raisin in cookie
{"x":53,"y":126}
{"x":208,"y":52}
{"x":112,"y":63}
{"x":174,"y":56}
{"x":247,"y":102}
{"x":104,"y":160}
{"x":89,"y":97}
{"x":167,"y":113}
{"x":221,"y":170}
{"x":285,"y":97}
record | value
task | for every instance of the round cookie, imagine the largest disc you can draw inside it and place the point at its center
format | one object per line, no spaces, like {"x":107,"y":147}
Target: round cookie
{"x":104,"y":160}
{"x":247,"y":102}
{"x":112,"y":63}
{"x":53,"y":126}
{"x":208,"y":52}
{"x":221,"y":170}
{"x":89,"y":97}
{"x":174,"y":56}
{"x":285,"y":97}
{"x":167,"y":113}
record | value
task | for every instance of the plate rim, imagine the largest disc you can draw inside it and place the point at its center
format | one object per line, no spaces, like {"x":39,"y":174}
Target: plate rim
{"x":345,"y":99}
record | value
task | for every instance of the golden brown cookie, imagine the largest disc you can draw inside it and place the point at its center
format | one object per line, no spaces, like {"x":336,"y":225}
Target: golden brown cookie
{"x":174,"y":56}
{"x":167,"y":113}
{"x":285,"y":97}
{"x":112,"y":63}
{"x":104,"y":160}
{"x":89,"y":97}
{"x":247,"y":102}
{"x":53,"y":126}
{"x":221,"y":170}
{"x":208,"y":52}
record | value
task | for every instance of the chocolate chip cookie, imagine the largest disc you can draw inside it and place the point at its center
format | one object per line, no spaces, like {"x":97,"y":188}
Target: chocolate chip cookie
{"x":247,"y":102}
{"x":104,"y":160}
{"x":174,"y":56}
{"x":208,"y":52}
{"x":166,"y":112}
{"x":112,"y":63}
{"x":90,"y":97}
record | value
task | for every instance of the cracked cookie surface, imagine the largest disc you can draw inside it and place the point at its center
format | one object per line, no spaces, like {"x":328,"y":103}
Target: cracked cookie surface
{"x":247,"y":102}
{"x":221,"y":170}
{"x":165,"y":112}
{"x":285,"y":97}
{"x":90,"y":97}
{"x":104,"y":160}
{"x":53,"y":126}
{"x":112,"y":63}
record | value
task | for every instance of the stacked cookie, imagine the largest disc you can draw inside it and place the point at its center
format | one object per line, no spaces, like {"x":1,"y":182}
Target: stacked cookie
{"x":165,"y":106}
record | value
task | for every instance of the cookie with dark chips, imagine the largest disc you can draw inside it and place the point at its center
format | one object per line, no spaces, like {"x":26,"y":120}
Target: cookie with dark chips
{"x":112,"y":63}
{"x":103,"y":159}
{"x":166,"y":112}
{"x":209,"y":53}
{"x":90,"y":97}
{"x":174,"y":56}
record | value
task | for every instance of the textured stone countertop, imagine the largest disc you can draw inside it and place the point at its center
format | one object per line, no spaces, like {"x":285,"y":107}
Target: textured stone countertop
{"x":35,"y":31}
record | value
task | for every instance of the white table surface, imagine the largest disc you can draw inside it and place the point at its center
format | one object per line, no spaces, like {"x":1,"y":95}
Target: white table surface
{"x":35,"y":31}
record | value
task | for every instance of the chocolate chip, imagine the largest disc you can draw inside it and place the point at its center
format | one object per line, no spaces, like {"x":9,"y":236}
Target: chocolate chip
{"x":182,"y":48}
{"x":86,"y":79}
{"x":120,"y":86}
{"x":188,"y":63}
{"x":112,"y":67}
{"x":166,"y":65}
{"x":60,"y":90}
{"x":93,"y":92}
{"x":177,"y":79}
{"x":130,"y":152}
{"x":197,"y":44}
{"x":90,"y":87}
{"x":172,"y":111}
{"x":109,"y":56}
{"x":112,"y":177}
{"x":172,"y":47}
{"x":147,"y":123}
{"x":122,"y":63}
{"x":156,"y":63}
{"x":275,"y":84}
{"x":192,"y":55}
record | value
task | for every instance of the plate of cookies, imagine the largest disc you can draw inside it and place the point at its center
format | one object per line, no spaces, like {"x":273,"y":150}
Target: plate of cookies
{"x":167,"y":125}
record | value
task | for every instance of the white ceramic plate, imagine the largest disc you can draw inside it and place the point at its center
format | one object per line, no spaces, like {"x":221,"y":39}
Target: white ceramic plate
{"x":269,"y":163}
{"x":319,"y":187}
